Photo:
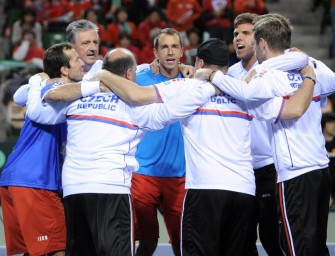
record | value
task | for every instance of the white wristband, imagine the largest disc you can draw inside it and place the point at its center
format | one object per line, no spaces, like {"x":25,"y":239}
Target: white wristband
{"x":89,"y":87}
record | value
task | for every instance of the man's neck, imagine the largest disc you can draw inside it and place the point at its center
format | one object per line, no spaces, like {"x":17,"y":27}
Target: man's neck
{"x":248,"y":62}
{"x":171,"y":73}
{"x":62,"y":79}
{"x":272,"y":54}
{"x":87,"y":67}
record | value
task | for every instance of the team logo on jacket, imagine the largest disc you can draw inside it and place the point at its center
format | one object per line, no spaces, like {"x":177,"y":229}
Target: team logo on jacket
{"x":174,"y":80}
{"x":106,"y":102}
{"x":223,"y":98}
{"x":295,"y":80}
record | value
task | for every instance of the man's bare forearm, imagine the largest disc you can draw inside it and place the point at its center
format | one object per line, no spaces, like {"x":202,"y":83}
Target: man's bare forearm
{"x":128,"y":90}
{"x":73,"y":91}
{"x":298,"y":103}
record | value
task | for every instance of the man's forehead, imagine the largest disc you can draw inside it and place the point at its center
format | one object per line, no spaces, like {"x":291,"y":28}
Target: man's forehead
{"x":72,"y":53}
{"x":244,"y":26}
{"x":168,"y":39}
{"x":88,"y":35}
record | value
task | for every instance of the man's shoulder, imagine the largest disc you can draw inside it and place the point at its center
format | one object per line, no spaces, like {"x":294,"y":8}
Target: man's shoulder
{"x":146,"y":77}
{"x":95,"y":68}
{"x":145,"y":72}
{"x":235,"y":69}
{"x":236,"y":65}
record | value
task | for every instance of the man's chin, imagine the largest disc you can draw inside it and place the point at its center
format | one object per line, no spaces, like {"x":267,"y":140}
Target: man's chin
{"x":170,"y":65}
{"x":76,"y":80}
{"x":91,"y":59}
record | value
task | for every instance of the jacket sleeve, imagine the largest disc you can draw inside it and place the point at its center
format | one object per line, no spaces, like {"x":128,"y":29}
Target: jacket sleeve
{"x":156,"y":116}
{"x":40,"y":111}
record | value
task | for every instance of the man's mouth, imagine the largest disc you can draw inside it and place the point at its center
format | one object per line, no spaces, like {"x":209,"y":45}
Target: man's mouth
{"x":170,"y":60}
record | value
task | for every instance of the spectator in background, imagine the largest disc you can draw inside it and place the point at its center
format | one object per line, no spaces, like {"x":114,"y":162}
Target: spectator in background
{"x":92,"y":15}
{"x":153,"y":20}
{"x":12,"y":114}
{"x":194,"y":38}
{"x":125,"y":41}
{"x":147,"y":54}
{"x":28,"y":50}
{"x":112,"y":7}
{"x":251,"y":6}
{"x":218,"y":18}
{"x":121,"y":24}
{"x":182,"y":15}
{"x":78,"y":7}
{"x":27,"y":22}
{"x":328,"y":130}
{"x":54,"y":15}
{"x":136,"y":9}
{"x":329,"y":105}
{"x":99,"y":6}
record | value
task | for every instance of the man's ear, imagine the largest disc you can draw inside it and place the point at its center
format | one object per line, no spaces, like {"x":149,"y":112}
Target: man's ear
{"x":201,"y":63}
{"x":155,"y":53}
{"x":129,"y":74}
{"x":64,"y":70}
{"x":262,"y":43}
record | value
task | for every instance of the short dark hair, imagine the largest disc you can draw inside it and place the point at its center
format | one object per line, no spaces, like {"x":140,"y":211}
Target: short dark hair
{"x":28,"y":11}
{"x":244,"y":18}
{"x":55,"y":58}
{"x":327,"y":117}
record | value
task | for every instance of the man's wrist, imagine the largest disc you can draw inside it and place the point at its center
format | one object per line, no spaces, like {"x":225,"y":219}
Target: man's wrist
{"x":211,"y":75}
{"x":313,"y":78}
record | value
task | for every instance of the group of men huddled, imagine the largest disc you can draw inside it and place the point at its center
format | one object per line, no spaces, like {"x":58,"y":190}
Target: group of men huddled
{"x":217,"y":154}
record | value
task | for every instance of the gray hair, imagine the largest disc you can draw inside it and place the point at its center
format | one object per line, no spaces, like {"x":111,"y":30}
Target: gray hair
{"x":79,"y":26}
